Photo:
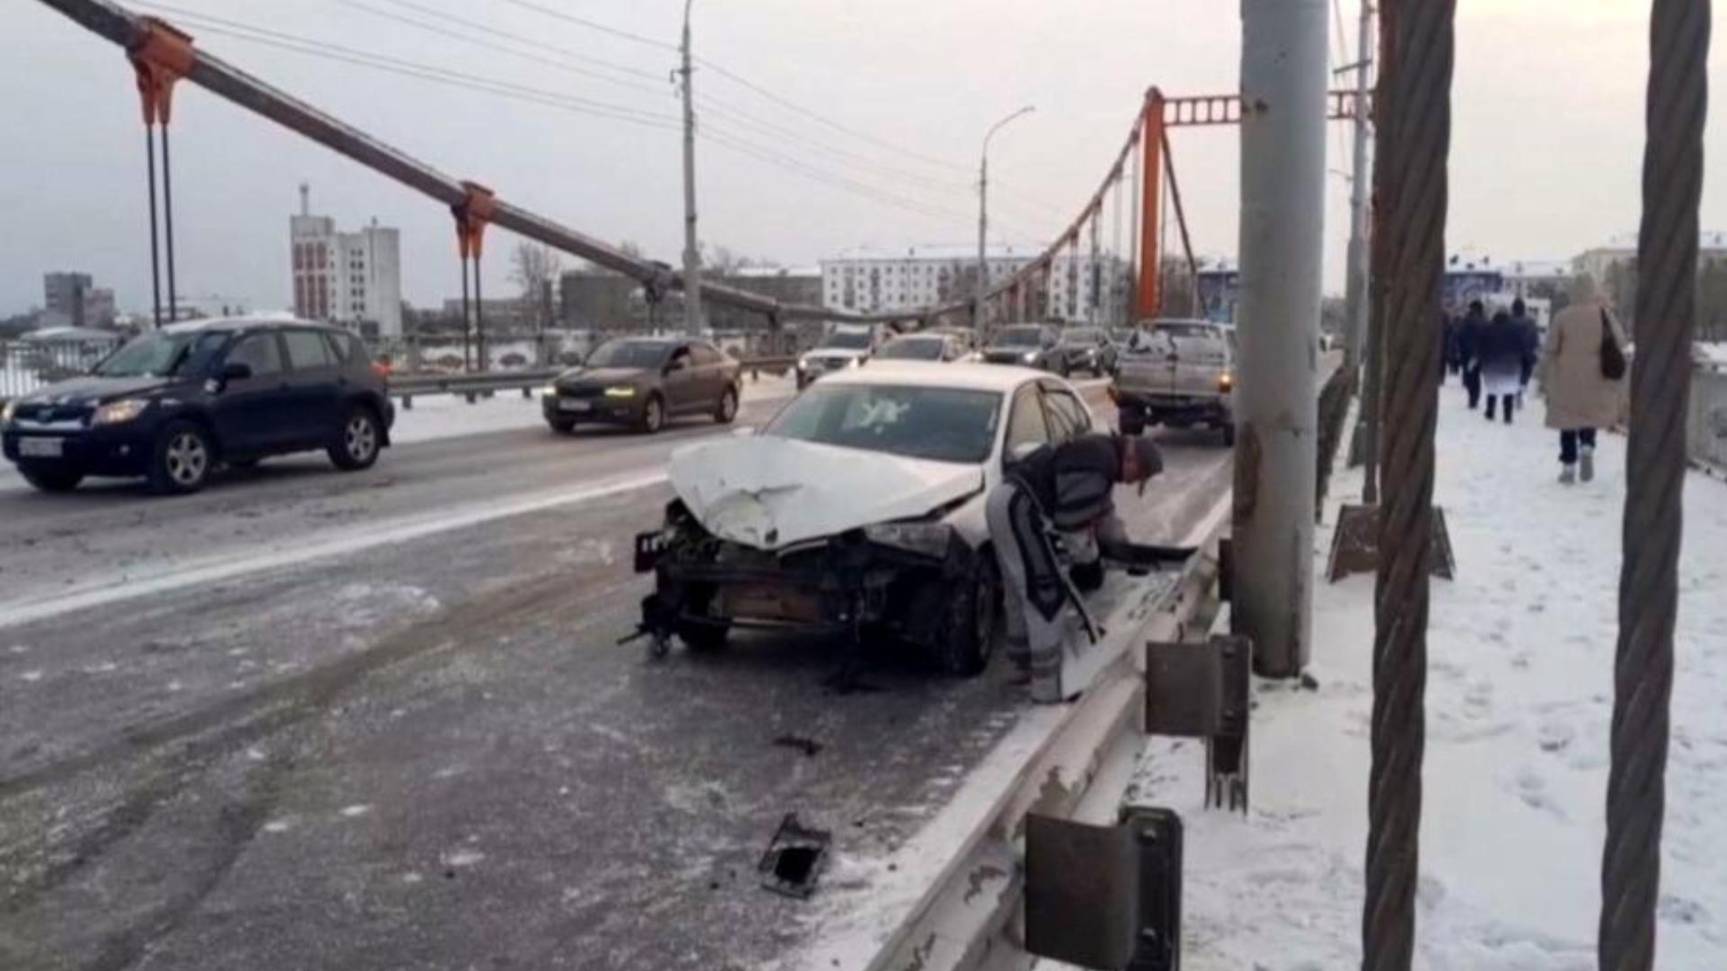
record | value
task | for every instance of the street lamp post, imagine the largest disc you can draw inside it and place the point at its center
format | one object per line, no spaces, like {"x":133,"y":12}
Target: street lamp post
{"x":983,"y":218}
{"x":692,"y":252}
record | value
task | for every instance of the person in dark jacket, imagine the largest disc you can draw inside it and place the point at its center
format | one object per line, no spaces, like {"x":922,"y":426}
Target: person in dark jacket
{"x":1502,"y":354}
{"x":1067,"y":490}
{"x":1530,"y":336}
{"x":1470,"y":335}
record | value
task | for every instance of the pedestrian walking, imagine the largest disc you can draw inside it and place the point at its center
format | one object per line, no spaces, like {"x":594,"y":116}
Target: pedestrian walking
{"x":1502,"y":357}
{"x":1470,"y":334}
{"x":1584,"y":366}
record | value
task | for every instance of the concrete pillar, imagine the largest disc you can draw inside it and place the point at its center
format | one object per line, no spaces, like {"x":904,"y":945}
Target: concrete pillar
{"x":1283,"y":84}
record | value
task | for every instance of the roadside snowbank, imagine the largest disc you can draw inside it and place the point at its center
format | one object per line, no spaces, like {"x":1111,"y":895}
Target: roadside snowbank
{"x":1519,"y":699}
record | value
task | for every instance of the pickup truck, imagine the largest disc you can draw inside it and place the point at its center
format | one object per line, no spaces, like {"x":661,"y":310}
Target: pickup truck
{"x":1178,"y":373}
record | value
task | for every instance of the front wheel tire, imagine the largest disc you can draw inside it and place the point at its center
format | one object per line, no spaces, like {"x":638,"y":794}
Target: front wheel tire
{"x":974,"y":622}
{"x":49,"y":478}
{"x":653,"y":415}
{"x":182,"y":459}
{"x":727,"y":410}
{"x":357,"y":442}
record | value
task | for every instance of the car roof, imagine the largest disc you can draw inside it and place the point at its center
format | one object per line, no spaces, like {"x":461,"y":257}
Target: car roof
{"x":933,"y":374}
{"x":922,"y":336}
{"x":652,"y":339}
{"x":245,"y":323}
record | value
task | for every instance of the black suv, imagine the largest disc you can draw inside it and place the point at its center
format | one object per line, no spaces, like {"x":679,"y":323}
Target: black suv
{"x":173,"y":403}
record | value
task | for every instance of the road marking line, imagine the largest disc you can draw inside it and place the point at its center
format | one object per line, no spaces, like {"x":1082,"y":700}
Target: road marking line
{"x":113,"y":589}
{"x":1207,"y":524}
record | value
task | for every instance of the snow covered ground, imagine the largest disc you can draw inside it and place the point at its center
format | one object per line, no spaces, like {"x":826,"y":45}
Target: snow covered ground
{"x":448,"y":416}
{"x":1519,"y":699}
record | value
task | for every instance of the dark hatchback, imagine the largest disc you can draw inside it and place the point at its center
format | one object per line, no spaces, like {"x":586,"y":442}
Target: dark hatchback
{"x":1027,"y":345}
{"x":173,"y":404}
{"x":644,"y":382}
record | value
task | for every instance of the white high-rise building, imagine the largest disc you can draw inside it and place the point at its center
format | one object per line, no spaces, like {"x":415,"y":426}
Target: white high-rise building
{"x":876,"y":281}
{"x":351,"y":279}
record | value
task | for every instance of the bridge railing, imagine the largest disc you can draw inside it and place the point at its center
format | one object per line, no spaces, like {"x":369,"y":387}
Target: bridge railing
{"x":26,"y":365}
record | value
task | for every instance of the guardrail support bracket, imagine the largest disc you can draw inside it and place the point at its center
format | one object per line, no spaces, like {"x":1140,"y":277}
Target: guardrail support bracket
{"x":1105,"y":896}
{"x":1203,"y":690}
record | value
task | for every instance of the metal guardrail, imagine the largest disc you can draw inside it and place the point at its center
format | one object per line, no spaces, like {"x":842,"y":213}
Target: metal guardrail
{"x":26,"y":365}
{"x":485,"y":384}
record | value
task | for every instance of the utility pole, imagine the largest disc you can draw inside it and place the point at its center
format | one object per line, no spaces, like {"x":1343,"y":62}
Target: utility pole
{"x":1283,"y":88}
{"x":692,"y":255}
{"x":977,"y":320}
{"x":1355,"y":295}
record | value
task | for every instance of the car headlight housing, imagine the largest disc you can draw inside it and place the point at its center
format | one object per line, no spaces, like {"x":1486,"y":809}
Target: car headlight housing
{"x":855,"y":362}
{"x":622,"y":391}
{"x":119,"y":412}
{"x":7,"y":411}
{"x":1225,"y":381}
{"x":1029,"y":357}
{"x":549,"y":391}
{"x":923,"y":538}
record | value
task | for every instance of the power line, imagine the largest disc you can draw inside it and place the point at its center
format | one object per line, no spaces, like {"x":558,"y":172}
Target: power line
{"x":562,"y":65}
{"x":289,"y":42}
{"x":862,"y":189}
{"x":529,"y":41}
{"x":594,"y":25}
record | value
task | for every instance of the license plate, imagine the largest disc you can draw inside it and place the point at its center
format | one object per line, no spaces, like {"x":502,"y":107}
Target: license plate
{"x":569,"y":405}
{"x":44,"y":447}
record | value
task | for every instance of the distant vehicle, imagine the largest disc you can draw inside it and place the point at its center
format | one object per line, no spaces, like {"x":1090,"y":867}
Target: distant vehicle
{"x":1180,"y":373}
{"x":846,"y":346}
{"x":173,"y":404}
{"x":1121,"y":336}
{"x":1086,"y":349}
{"x":923,"y":346}
{"x":859,"y":507}
{"x":644,"y":382}
{"x":1028,"y":345}
{"x":966,"y":336}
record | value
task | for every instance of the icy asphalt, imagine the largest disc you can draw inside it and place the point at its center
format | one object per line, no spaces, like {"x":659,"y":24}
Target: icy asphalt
{"x":426,"y":748}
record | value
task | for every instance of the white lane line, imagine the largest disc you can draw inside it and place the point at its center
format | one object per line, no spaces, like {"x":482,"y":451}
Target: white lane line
{"x":1202,"y":530}
{"x":102,"y":591}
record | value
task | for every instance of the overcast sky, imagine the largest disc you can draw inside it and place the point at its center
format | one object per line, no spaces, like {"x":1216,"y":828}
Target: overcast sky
{"x":1546,"y":150}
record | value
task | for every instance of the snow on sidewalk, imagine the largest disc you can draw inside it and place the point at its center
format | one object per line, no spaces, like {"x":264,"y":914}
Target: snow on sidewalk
{"x":1519,"y":699}
{"x":449,"y":416}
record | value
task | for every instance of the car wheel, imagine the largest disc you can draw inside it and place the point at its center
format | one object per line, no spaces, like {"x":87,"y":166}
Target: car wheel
{"x":356,"y":444}
{"x":704,"y":638}
{"x":50,"y":478}
{"x":974,"y":622}
{"x":653,"y":414}
{"x":563,"y":426}
{"x":728,"y":407}
{"x":182,"y":459}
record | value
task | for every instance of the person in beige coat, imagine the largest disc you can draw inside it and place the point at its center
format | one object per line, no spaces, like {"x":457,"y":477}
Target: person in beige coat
{"x":1580,"y":398}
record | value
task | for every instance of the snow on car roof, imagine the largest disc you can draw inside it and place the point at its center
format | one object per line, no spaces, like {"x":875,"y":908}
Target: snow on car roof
{"x":933,"y":374}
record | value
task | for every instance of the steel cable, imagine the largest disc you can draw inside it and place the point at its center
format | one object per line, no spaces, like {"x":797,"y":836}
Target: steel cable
{"x":1655,"y":470}
{"x":1419,"y":79}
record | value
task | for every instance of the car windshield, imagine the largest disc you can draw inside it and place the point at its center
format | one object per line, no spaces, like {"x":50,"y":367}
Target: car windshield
{"x":1083,"y":335}
{"x":1020,"y":337}
{"x":913,"y":349}
{"x":629,"y":354}
{"x":944,"y":424}
{"x":849,"y":339}
{"x":161,"y":355}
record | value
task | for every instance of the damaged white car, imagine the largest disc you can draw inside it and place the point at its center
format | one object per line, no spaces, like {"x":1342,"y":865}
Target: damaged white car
{"x":859,"y":510}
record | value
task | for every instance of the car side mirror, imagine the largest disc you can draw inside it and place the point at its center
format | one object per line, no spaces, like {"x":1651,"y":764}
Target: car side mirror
{"x":236,"y":371}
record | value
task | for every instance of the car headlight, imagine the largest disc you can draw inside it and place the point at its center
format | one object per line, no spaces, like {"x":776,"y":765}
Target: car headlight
{"x":925,"y":539}
{"x":624,"y":391}
{"x":549,"y":391}
{"x":803,"y":365}
{"x":119,"y":412}
{"x":1225,"y":381}
{"x":1029,"y":357}
{"x":7,"y":411}
{"x":855,"y":362}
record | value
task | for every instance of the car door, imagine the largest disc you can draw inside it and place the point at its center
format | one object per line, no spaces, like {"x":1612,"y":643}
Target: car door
{"x":1066,"y":416}
{"x":251,"y":414}
{"x":1027,"y":427}
{"x":682,"y":382}
{"x":314,"y":376}
{"x":711,"y":373}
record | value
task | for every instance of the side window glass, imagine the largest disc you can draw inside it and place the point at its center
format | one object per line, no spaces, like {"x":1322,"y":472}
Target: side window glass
{"x":1067,"y":417}
{"x":1026,"y":424}
{"x":307,"y":350}
{"x":259,"y":352}
{"x":704,"y":354}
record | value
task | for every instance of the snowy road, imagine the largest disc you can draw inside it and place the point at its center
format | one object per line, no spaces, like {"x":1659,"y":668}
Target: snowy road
{"x":427,"y":750}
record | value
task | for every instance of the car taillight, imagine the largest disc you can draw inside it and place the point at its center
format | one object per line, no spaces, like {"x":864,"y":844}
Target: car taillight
{"x":1225,"y":381}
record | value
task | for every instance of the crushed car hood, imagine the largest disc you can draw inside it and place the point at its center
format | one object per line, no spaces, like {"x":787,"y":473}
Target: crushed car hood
{"x":769,"y":492}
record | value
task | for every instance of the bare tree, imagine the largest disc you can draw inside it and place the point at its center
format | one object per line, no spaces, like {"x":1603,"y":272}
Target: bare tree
{"x":535,"y":269}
